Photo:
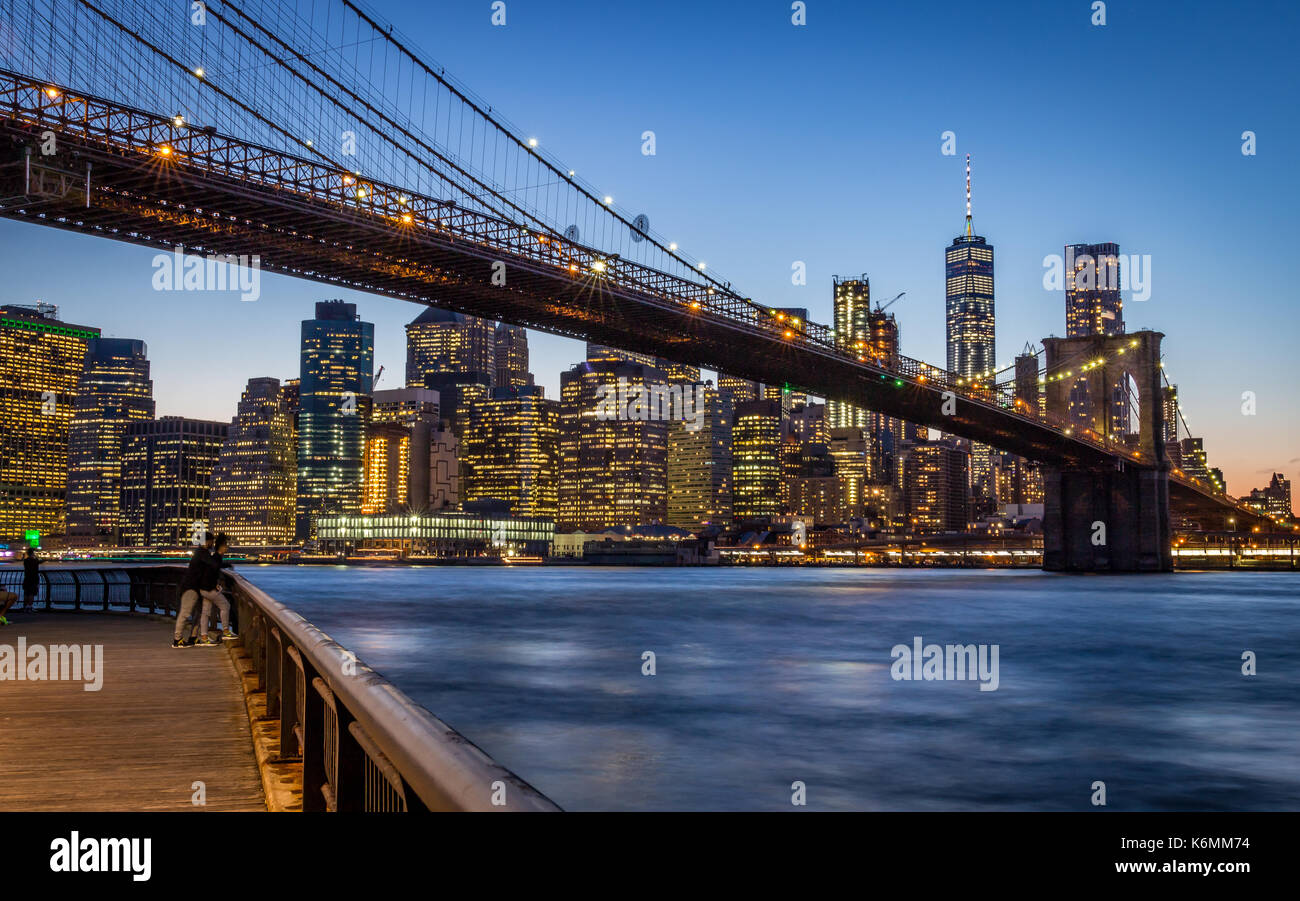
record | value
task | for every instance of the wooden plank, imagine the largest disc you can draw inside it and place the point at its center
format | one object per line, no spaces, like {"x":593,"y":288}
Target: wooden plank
{"x":163,"y":720}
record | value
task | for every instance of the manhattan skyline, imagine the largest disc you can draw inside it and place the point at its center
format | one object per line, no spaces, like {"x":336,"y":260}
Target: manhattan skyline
{"x":741,"y":190}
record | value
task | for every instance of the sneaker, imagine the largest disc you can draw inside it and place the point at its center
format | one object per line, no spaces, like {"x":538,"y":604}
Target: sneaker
{"x":188,"y":643}
{"x":207,"y":642}
{"x":229,"y":635}
{"x":177,"y":643}
{"x":3,"y":621}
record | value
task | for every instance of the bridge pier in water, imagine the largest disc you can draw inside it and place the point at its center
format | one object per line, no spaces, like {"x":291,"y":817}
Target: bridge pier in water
{"x":1112,"y":519}
{"x":1109,"y":521}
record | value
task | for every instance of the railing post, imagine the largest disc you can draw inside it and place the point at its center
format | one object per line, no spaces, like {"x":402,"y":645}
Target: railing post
{"x":287,"y":688}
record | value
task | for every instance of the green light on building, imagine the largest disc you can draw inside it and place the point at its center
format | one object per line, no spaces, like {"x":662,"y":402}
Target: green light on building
{"x":33,"y":538}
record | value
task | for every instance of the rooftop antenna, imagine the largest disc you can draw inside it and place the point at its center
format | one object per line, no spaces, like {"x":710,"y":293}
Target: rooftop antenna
{"x":969,"y":230}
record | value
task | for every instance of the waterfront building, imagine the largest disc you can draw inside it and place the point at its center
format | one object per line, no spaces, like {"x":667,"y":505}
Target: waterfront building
{"x":613,"y":469}
{"x":440,"y":340}
{"x":511,"y":452}
{"x":336,"y":380}
{"x":114,"y":390}
{"x":41,"y":363}
{"x":937,"y":486}
{"x":471,"y":533}
{"x":700,"y":465}
{"x":1274,"y":499}
{"x":850,"y":448}
{"x":255,"y":481}
{"x":167,"y":467}
{"x":512,"y":356}
{"x":756,"y":449}
{"x":968,"y":264}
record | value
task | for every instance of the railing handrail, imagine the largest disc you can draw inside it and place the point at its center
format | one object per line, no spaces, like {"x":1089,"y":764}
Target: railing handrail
{"x":445,"y":769}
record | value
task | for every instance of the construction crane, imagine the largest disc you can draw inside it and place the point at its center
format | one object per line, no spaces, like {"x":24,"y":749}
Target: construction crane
{"x":881,"y":309}
{"x":378,"y":376}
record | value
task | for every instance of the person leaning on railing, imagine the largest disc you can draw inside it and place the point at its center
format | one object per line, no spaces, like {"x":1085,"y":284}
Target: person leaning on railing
{"x":212,"y":596}
{"x":192,"y":583}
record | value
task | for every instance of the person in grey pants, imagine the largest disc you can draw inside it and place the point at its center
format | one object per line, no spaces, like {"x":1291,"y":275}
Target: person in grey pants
{"x":195,"y":578}
{"x":212,"y":596}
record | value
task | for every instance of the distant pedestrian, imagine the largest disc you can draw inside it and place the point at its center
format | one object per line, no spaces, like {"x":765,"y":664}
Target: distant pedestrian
{"x":31,"y":578}
{"x":191,"y":584}
{"x":211,"y":591}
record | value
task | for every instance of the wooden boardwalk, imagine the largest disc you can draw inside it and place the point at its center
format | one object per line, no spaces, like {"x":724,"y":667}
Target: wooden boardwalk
{"x":163,"y":720}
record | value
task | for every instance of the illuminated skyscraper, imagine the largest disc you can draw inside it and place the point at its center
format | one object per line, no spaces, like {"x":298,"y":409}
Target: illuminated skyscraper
{"x":700,"y":465}
{"x":114,"y":391}
{"x":852,"y":335}
{"x":1169,"y":407}
{"x":740,"y":390}
{"x":388,"y":468}
{"x":41,"y":362}
{"x":440,"y":341}
{"x":512,"y":356}
{"x":511,"y":452}
{"x":255,"y":483}
{"x":613,"y":469}
{"x":756,"y":460}
{"x":167,"y":467}
{"x":678,"y":373}
{"x":337,"y":376}
{"x":1093,"y":305}
{"x":604,"y":353}
{"x":937,"y":486}
{"x":970,"y":319}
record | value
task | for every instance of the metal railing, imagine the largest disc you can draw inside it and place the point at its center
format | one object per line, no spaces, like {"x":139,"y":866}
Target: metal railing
{"x":363,"y":744}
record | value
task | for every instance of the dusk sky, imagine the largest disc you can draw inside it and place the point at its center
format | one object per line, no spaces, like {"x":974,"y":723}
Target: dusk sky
{"x":822,"y":144}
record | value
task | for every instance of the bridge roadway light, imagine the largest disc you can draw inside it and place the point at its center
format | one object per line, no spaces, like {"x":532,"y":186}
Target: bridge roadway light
{"x":52,"y":93}
{"x":178,"y":120}
{"x":198,"y":73}
{"x":532,"y":142}
{"x":608,"y":200}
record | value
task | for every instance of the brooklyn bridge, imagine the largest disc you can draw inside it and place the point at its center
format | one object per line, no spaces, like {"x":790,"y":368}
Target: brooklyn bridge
{"x":311,"y":134}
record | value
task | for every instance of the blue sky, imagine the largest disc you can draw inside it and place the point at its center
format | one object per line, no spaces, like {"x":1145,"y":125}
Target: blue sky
{"x":821,"y":144}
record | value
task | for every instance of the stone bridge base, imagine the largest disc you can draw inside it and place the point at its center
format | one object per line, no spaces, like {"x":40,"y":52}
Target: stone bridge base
{"x":1106,"y":521}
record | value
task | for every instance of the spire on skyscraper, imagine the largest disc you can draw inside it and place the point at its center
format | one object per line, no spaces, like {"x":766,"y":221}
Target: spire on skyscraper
{"x":969,"y":230}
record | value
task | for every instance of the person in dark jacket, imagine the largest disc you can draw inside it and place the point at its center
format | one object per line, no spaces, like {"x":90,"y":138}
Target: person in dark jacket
{"x":211,"y":593}
{"x":196,"y":576}
{"x":31,"y":578}
{"x":31,"y":586}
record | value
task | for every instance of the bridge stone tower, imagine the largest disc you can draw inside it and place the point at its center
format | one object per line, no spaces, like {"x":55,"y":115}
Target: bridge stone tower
{"x":1112,"y":517}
